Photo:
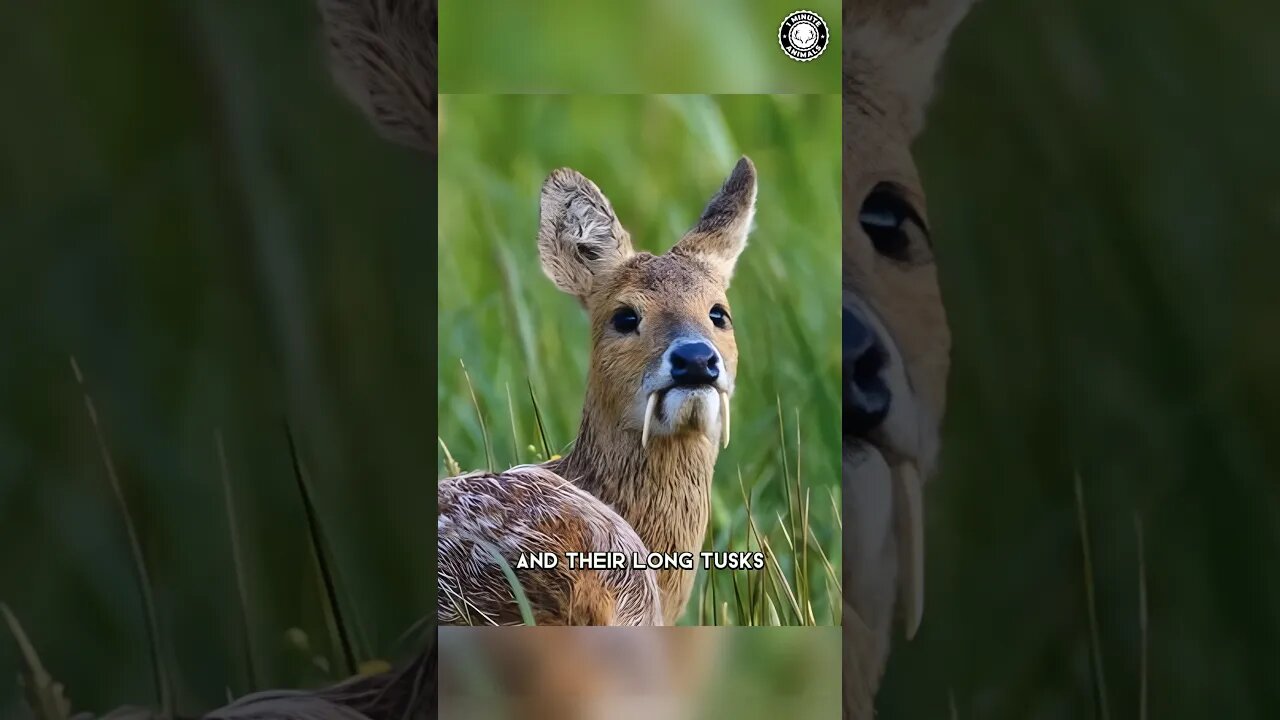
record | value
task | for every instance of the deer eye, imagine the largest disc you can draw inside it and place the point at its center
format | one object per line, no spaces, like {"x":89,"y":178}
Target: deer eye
{"x":896,"y":230}
{"x":719,"y":316}
{"x":626,"y":320}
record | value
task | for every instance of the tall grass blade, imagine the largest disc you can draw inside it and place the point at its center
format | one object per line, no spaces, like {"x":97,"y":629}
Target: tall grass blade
{"x":515,"y":431}
{"x":451,"y":466}
{"x":769,"y":554}
{"x":771,"y":613}
{"x":755,"y":608}
{"x":786,"y":462}
{"x":711,"y":574}
{"x":707,"y":578}
{"x":542,"y":428}
{"x":742,"y":616}
{"x":833,"y":579}
{"x":44,"y":696}
{"x":237,"y":562}
{"x":1094,"y":636}
{"x":835,"y":509}
{"x":522,"y":600}
{"x":163,"y":689}
{"x":416,"y":632}
{"x":804,"y":559}
{"x":338,"y":627}
{"x":1142,"y":616}
{"x":484,"y":429}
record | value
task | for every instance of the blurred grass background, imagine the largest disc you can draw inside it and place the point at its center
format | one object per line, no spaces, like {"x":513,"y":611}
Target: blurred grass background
{"x":658,"y":46}
{"x":190,"y":208}
{"x":659,"y":159}
{"x":1104,"y":194}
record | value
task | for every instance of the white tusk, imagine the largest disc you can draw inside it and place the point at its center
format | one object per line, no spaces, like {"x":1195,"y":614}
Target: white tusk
{"x":724,"y":419}
{"x":648,"y":415}
{"x":911,"y":546}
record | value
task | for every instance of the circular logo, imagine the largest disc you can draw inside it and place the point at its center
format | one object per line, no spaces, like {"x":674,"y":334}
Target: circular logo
{"x":803,"y":35}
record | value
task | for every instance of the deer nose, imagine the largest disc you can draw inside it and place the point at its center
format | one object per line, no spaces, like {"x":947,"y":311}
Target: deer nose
{"x":694,"y":363}
{"x":866,"y":395}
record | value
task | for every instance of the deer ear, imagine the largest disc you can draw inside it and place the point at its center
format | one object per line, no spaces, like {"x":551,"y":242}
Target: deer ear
{"x":383,"y":56}
{"x":579,"y":237}
{"x":721,"y":232}
{"x":895,"y":47}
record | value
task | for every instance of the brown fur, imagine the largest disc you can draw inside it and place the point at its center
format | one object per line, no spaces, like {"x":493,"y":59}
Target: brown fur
{"x":891,"y":51}
{"x":524,"y":510}
{"x":383,"y":55}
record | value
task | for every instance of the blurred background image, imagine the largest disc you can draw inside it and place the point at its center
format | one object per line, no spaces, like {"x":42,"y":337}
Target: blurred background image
{"x":1103,"y":189}
{"x":560,"y":673}
{"x":513,"y":349}
{"x":192,"y":210}
{"x":658,"y":46}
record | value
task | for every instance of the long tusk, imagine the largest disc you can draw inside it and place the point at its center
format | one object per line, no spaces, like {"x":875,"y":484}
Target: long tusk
{"x":648,"y":415}
{"x":724,"y":419}
{"x":911,"y":546}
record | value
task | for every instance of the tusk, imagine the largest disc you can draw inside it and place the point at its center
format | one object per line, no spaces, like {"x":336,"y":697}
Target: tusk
{"x":911,"y":546}
{"x":648,"y":415}
{"x":724,"y":419}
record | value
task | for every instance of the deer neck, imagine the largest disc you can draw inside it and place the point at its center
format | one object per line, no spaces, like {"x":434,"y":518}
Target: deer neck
{"x":662,"y":490}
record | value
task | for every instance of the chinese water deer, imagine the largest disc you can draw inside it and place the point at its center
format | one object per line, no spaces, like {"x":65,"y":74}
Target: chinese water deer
{"x":896,"y":339}
{"x":638,"y":478}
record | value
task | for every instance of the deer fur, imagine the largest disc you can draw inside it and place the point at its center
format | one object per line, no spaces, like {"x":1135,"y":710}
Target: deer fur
{"x":891,"y":52}
{"x":383,"y":55}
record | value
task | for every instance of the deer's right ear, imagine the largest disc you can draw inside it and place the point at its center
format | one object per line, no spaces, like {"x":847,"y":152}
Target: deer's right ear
{"x":579,"y":236}
{"x":721,"y":233}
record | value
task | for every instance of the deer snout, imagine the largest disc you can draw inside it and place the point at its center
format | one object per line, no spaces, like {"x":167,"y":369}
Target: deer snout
{"x":688,"y":390}
{"x":693,"y":363}
{"x":866,"y":394}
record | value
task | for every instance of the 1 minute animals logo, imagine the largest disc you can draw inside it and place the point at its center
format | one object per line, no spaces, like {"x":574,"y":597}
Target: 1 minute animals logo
{"x":803,"y":35}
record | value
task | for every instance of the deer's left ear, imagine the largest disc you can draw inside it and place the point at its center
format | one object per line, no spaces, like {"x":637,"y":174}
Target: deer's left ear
{"x":721,"y":232}
{"x":579,"y":236}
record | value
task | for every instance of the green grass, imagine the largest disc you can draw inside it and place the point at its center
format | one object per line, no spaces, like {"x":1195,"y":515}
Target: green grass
{"x":504,"y":327}
{"x":47,"y":698}
{"x":710,"y":46}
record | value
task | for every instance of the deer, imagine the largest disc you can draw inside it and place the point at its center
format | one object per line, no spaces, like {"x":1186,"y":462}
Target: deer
{"x":662,"y":366}
{"x":895,"y":336}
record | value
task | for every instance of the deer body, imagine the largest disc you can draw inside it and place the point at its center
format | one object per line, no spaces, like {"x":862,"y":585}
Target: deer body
{"x":638,"y":478}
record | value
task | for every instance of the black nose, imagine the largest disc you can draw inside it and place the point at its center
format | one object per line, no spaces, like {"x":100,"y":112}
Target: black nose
{"x":866,"y":396}
{"x":694,"y":363}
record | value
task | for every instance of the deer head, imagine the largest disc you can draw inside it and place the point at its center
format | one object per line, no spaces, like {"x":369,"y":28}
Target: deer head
{"x":663,"y":355}
{"x":896,"y":340}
